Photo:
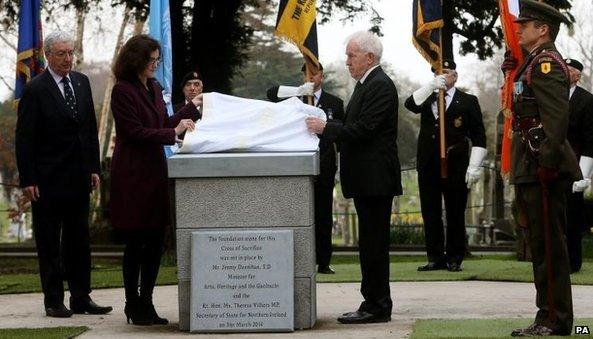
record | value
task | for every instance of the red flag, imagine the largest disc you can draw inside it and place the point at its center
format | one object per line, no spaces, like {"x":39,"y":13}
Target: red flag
{"x":509,"y":11}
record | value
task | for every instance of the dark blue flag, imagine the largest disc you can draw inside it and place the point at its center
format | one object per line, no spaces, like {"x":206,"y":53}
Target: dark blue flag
{"x":30,"y":60}
{"x":427,"y":17}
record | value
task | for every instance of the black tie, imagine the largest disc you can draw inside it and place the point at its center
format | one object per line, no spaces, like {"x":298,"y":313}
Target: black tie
{"x":69,"y":96}
{"x":358,"y":84}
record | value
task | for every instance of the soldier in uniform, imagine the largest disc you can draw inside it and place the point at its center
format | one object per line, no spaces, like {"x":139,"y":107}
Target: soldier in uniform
{"x":333,"y":107}
{"x":580,"y":137}
{"x":191,"y":85}
{"x":463,"y":119}
{"x":543,"y":166}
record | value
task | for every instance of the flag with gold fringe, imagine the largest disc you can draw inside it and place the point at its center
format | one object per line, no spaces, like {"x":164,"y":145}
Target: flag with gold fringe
{"x":297,"y":24}
{"x":29,"y":60}
{"x":427,"y":17}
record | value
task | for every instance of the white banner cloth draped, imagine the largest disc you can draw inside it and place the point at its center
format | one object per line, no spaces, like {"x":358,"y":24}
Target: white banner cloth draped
{"x":246,"y":125}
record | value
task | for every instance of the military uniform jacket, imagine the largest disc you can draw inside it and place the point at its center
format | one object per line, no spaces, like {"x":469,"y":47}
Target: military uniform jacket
{"x":541,"y":90}
{"x":463,"y":121}
{"x":580,"y":125}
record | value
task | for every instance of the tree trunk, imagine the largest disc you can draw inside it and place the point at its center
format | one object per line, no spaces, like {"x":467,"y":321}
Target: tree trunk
{"x":78,"y":45}
{"x":447,"y":43}
{"x":179,"y":39}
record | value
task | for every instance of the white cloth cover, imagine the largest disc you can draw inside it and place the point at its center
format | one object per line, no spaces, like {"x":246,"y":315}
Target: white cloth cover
{"x":245,"y":125}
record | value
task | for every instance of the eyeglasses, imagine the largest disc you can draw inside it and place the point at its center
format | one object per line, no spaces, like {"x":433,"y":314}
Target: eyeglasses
{"x":62,"y":54}
{"x":154,"y":61}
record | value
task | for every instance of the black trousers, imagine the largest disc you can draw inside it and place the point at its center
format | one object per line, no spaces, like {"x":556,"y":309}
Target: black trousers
{"x":454,"y":191}
{"x":374,"y":216}
{"x":575,"y":227}
{"x":61,"y":229}
{"x":141,"y":262}
{"x":323,"y":222}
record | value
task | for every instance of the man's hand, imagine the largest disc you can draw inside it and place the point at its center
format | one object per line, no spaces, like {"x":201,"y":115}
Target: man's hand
{"x":315,"y":125}
{"x":95,"y":181}
{"x":31,"y":193}
{"x":473,"y":175}
{"x":509,"y":63}
{"x":198,"y":100}
{"x":581,"y":185}
{"x":546,"y":175}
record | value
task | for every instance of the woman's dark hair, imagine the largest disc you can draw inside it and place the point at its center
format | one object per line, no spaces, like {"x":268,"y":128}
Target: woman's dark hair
{"x":134,"y":56}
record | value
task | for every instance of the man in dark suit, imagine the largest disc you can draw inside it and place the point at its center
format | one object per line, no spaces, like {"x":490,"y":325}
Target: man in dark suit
{"x":369,"y":169}
{"x":463,"y":119}
{"x":580,"y":137}
{"x":324,"y":183}
{"x":57,"y":154}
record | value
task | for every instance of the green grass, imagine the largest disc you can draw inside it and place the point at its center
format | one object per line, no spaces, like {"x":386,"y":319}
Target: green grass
{"x":20,"y":275}
{"x":477,"y":328}
{"x":46,"y":333}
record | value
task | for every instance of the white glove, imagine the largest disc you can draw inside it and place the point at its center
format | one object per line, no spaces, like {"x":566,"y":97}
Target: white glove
{"x":421,"y":94}
{"x":290,"y":91}
{"x":586,"y":165}
{"x":474,"y":170}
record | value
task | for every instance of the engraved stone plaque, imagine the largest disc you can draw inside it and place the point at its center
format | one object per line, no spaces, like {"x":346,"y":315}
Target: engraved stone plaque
{"x":242,"y":281}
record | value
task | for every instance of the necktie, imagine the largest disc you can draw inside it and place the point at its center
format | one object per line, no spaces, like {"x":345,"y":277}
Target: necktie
{"x":69,"y":96}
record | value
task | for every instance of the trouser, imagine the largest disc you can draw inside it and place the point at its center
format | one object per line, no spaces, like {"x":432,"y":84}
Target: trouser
{"x":530,"y":200}
{"x":575,"y":225}
{"x":61,"y":230}
{"x":374,"y":214}
{"x":453,"y":190}
{"x":142,"y":260}
{"x":323,"y":223}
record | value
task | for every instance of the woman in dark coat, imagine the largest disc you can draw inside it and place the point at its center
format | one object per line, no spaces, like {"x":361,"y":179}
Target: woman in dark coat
{"x":139,"y":189}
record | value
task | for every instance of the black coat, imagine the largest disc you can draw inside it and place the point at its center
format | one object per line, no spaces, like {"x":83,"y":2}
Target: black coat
{"x":580,"y":124}
{"x":55,"y":151}
{"x":463,"y":121}
{"x":327,"y":153}
{"x":369,"y":165}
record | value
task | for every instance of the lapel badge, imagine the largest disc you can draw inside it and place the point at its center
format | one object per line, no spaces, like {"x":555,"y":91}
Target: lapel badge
{"x":458,"y":122}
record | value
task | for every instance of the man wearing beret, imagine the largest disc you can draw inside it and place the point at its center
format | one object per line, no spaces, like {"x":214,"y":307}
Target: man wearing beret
{"x":580,"y":137}
{"x":191,"y":86}
{"x":543,"y":165}
{"x":463,"y":123}
{"x":333,"y":107}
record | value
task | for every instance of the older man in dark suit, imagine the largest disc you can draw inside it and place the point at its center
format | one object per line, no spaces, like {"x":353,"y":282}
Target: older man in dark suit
{"x":58,"y":161}
{"x":370,"y":169}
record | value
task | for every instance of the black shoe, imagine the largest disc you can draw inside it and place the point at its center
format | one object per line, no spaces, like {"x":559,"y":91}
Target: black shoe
{"x":532,"y":331}
{"x":156,"y":320}
{"x":58,"y":311}
{"x":362,"y":317}
{"x":454,"y":267}
{"x":138,"y":313}
{"x":325,"y":269}
{"x":87,"y":305}
{"x":432,"y":266}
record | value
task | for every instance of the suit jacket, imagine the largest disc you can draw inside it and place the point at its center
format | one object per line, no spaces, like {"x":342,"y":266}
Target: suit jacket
{"x":327,"y":152}
{"x":580,"y":123}
{"x":54,"y":150}
{"x":369,"y":164}
{"x":139,"y":182}
{"x":543,"y":93}
{"x":463,"y":121}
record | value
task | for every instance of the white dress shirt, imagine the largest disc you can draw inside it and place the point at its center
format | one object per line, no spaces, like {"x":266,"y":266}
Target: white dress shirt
{"x":572,"y":89}
{"x":366,"y":74}
{"x":58,"y":80}
{"x":448,"y":99}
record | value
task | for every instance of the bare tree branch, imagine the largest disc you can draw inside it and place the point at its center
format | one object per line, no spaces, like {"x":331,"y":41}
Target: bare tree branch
{"x":7,"y":84}
{"x":8,"y":43}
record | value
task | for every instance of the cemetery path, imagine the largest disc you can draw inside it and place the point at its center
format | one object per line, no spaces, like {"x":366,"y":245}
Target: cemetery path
{"x":412,"y":300}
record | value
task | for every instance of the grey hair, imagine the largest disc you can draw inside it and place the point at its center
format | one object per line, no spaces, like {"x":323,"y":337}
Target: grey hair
{"x":368,"y":42}
{"x":54,"y":37}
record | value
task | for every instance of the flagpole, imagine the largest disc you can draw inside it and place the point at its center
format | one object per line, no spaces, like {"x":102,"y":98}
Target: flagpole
{"x":309,"y":76}
{"x":442,"y":111}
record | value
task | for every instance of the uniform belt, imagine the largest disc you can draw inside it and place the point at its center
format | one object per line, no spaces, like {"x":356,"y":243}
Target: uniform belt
{"x":526,"y":123}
